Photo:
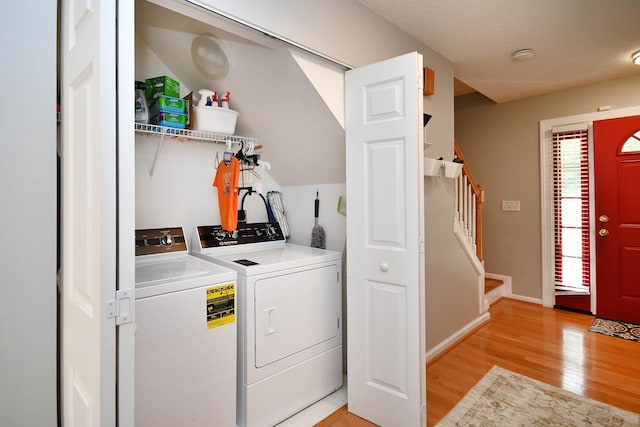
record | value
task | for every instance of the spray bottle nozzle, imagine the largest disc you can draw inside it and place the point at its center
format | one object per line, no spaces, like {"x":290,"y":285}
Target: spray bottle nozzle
{"x":206,"y":97}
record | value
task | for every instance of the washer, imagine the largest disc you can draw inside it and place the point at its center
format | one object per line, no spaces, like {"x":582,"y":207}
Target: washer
{"x":289,"y":319}
{"x":185,"y":361}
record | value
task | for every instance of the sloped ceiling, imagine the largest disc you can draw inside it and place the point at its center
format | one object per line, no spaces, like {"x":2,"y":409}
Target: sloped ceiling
{"x":277,"y":103}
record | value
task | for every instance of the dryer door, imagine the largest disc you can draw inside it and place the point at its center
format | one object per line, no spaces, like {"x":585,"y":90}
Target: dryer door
{"x":295,"y":312}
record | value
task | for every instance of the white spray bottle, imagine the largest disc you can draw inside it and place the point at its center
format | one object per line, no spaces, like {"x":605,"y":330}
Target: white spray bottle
{"x":204,"y":94}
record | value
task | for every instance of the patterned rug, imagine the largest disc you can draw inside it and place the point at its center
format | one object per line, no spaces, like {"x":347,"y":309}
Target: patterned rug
{"x":615,"y":328}
{"x":505,"y":398}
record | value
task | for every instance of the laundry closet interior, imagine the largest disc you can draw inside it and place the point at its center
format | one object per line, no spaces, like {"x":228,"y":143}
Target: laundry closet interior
{"x":289,"y":101}
{"x":290,"y":118}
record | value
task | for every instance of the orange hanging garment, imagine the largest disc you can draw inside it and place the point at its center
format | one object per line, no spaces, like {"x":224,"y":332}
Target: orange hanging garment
{"x":226,"y":181}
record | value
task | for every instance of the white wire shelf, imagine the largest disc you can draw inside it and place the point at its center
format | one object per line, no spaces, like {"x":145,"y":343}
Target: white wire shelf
{"x":188,"y":134}
{"x":194,"y":135}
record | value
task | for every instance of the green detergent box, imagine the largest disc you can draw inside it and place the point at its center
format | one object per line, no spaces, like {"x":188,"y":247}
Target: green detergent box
{"x":166,"y":104}
{"x":163,"y":85}
{"x":173,"y":120}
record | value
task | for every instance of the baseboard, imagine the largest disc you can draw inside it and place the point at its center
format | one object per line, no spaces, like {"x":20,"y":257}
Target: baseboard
{"x":456,"y":337}
{"x":525,"y":298}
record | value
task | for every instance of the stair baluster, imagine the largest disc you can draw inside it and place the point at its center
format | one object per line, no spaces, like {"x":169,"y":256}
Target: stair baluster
{"x":469,"y":197}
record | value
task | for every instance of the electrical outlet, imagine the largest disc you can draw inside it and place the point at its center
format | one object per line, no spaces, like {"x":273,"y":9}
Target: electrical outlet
{"x":511,"y":205}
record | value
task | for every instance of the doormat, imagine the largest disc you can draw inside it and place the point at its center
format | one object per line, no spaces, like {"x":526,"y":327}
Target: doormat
{"x":616,"y":328}
{"x":505,"y":398}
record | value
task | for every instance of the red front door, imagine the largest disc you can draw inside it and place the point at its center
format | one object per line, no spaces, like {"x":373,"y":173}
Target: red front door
{"x":617,"y":218}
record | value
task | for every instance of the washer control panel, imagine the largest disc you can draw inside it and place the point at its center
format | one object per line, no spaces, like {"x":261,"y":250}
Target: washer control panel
{"x":160,"y":241}
{"x":213,"y":236}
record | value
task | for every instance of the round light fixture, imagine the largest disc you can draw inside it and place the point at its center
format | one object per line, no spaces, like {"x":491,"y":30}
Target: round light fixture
{"x":635,"y":56}
{"x":522,"y":54}
{"x":208,"y":57}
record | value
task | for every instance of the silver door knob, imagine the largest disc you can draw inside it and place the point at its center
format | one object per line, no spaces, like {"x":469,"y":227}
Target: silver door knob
{"x":603,"y":232}
{"x":384,"y":266}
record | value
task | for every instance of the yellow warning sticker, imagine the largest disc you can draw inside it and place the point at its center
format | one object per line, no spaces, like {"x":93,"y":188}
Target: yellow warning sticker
{"x":221,"y":307}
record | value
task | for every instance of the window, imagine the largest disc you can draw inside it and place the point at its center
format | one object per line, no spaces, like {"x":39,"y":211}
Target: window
{"x":572,"y":270}
{"x":632,"y":144}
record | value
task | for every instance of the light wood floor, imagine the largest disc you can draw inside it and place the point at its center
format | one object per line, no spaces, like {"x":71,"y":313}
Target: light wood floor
{"x":549,"y":345}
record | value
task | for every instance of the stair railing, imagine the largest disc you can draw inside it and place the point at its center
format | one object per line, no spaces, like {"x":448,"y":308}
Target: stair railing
{"x":469,"y":199}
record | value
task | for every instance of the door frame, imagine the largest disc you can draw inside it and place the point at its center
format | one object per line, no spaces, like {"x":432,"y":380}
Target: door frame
{"x":546,"y":195}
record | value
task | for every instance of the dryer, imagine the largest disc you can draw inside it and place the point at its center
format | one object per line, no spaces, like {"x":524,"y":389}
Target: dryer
{"x":289,"y":319}
{"x":185,"y":355}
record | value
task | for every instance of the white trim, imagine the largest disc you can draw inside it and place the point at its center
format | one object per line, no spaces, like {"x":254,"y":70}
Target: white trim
{"x":546,"y":195}
{"x":506,"y":283}
{"x":208,"y":7}
{"x":574,"y":127}
{"x":592,"y":222}
{"x":525,"y":298}
{"x":455,"y":337}
{"x":469,"y":250}
{"x":125,"y":191}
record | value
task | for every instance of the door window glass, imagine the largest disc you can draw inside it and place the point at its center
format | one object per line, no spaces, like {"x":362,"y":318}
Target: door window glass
{"x":632,"y":144}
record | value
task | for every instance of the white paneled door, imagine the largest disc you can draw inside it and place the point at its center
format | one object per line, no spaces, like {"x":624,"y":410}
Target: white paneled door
{"x":88,"y":85}
{"x":385,"y":242}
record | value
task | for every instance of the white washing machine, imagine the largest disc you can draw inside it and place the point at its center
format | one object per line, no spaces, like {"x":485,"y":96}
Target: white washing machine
{"x":186,"y":339}
{"x":289,"y":319}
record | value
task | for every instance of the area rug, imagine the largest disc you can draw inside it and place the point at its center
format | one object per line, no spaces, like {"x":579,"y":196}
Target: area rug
{"x":505,"y":398}
{"x":616,"y":328}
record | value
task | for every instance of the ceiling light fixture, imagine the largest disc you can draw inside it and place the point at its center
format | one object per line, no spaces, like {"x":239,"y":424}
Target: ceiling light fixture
{"x":522,"y":54}
{"x":635,"y":56}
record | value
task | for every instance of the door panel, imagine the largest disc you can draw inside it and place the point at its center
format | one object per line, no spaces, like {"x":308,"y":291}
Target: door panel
{"x":385,"y":262}
{"x":384,"y":163}
{"x":617,"y":186}
{"x":387,"y":347}
{"x":88,"y":212}
{"x":628,"y":200}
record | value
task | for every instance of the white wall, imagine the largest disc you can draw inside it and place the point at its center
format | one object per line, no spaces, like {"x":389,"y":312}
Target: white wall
{"x":28,"y":216}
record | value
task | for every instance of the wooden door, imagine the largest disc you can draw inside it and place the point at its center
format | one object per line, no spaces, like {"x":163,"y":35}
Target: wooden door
{"x":385,"y":242}
{"x":617,"y":198}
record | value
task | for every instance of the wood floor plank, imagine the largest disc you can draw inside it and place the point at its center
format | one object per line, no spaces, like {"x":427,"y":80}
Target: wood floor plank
{"x":552,"y":346}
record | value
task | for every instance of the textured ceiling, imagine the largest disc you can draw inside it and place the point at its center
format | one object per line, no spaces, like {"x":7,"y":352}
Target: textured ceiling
{"x":576,"y":42}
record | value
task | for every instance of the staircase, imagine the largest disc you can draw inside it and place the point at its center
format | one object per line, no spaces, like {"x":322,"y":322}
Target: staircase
{"x":468,"y":214}
{"x":493,"y":289}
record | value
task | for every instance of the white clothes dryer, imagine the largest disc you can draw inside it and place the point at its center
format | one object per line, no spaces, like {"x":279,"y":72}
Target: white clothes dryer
{"x":185,"y":355}
{"x":289,"y":319}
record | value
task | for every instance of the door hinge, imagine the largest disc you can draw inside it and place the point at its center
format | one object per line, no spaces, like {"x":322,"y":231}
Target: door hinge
{"x":421,"y":245}
{"x":423,"y":413}
{"x":121,"y":307}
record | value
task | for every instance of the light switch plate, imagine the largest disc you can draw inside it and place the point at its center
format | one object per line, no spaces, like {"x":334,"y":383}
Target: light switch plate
{"x":511,"y":205}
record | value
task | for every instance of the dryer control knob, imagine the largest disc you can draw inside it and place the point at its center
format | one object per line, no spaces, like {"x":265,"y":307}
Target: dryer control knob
{"x":166,"y":240}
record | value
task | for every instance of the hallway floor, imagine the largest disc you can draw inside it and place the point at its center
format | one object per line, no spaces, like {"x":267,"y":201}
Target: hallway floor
{"x":553,"y":346}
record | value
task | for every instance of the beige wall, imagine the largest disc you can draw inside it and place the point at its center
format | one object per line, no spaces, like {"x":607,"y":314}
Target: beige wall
{"x":500,"y":143}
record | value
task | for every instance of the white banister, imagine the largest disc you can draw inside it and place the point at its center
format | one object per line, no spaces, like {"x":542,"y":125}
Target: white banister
{"x":465,"y":210}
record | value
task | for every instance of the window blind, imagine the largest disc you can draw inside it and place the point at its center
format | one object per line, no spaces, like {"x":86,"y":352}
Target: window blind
{"x":571,"y":210}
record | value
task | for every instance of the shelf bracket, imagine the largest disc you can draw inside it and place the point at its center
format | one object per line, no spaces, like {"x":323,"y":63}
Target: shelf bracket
{"x":155,"y":157}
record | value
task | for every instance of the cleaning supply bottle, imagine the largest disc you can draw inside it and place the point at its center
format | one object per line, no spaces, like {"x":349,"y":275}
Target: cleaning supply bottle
{"x":225,"y":100}
{"x":141,"y":109}
{"x":206,"y":97}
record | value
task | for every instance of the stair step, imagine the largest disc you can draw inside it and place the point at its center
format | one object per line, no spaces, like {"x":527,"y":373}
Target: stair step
{"x":491,"y":284}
